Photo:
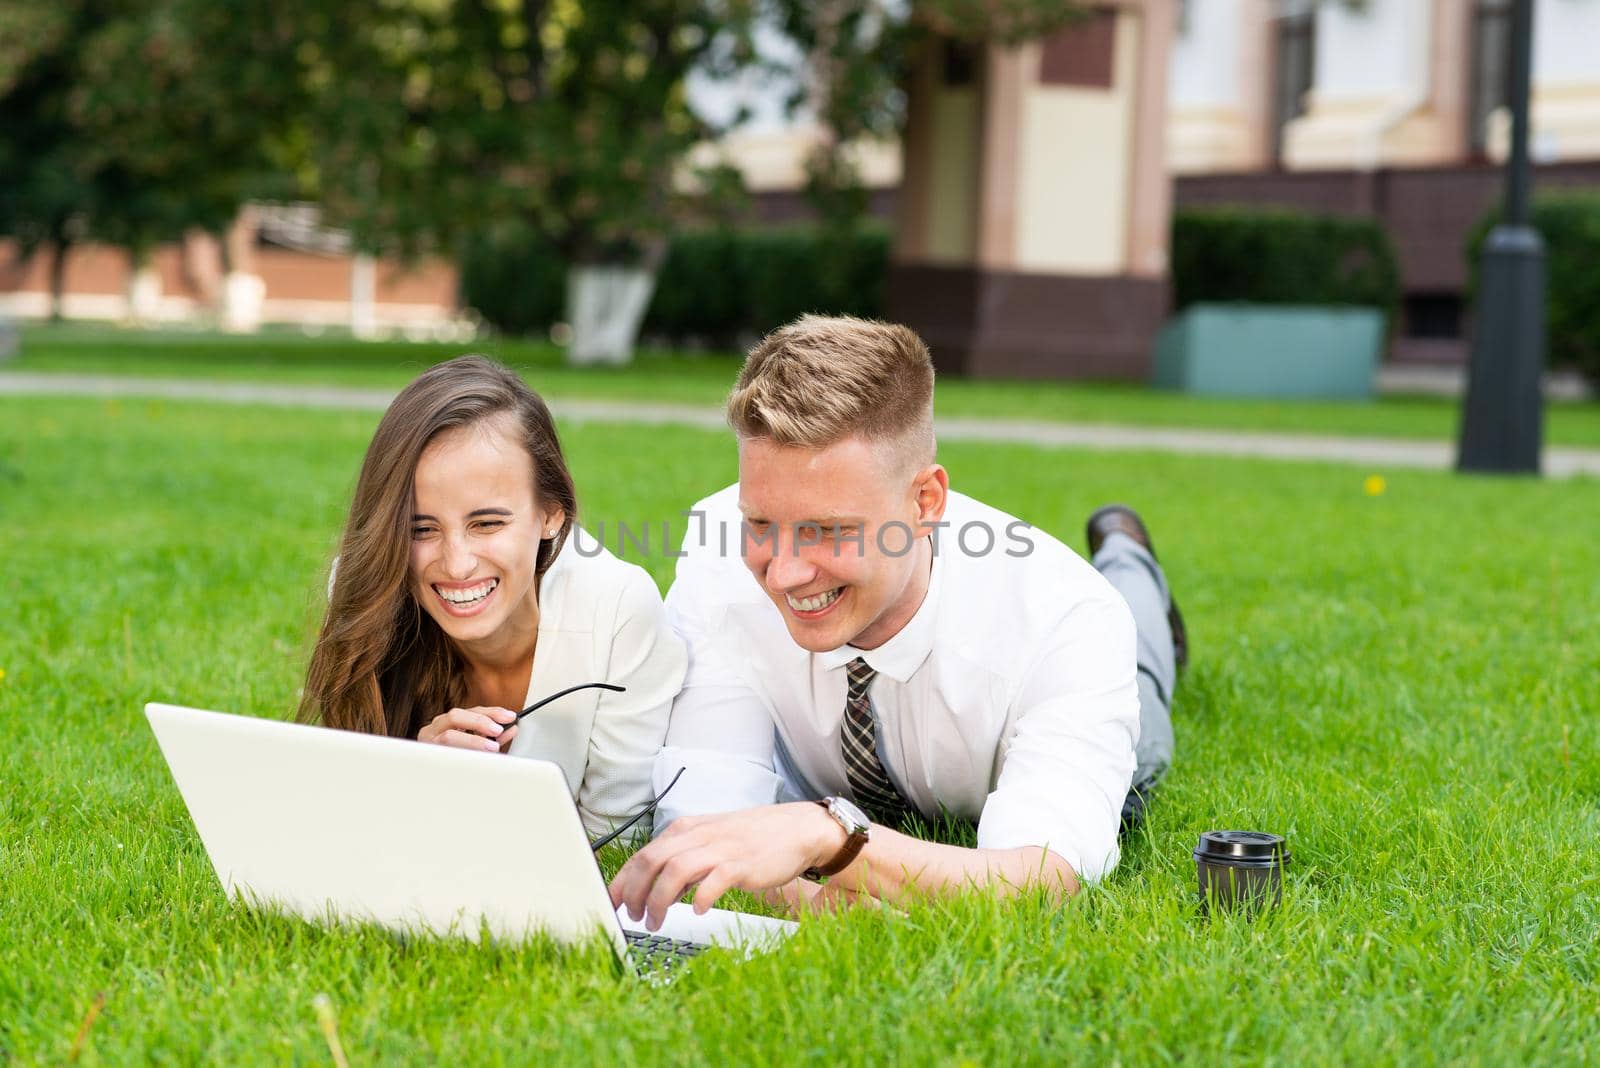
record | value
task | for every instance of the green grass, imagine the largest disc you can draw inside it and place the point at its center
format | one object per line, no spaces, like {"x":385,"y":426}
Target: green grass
{"x":698,"y":378}
{"x":1402,"y":684}
{"x":290,"y":358}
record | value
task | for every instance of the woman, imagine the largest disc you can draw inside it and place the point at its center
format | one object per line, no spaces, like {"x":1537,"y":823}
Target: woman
{"x":458,"y":599}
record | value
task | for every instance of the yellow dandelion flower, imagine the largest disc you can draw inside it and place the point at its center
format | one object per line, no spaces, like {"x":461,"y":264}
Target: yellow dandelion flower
{"x":1375,"y":485}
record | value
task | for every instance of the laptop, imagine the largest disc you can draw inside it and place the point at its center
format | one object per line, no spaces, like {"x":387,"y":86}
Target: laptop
{"x":335,"y":825}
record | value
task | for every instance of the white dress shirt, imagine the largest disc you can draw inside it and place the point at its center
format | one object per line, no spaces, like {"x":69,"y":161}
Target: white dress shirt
{"x":1008,"y":699}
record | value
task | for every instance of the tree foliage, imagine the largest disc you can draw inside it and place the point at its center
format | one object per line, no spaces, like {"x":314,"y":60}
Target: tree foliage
{"x":857,"y":54}
{"x":185,"y":107}
{"x":415,"y":123}
{"x":131,"y":122}
{"x":435,"y":119}
{"x":42,"y":184}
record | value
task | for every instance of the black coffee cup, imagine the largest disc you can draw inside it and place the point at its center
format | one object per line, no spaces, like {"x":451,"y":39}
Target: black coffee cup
{"x":1241,"y":869}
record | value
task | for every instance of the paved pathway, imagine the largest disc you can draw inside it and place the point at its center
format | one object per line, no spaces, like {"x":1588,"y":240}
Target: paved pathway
{"x":1372,"y":452}
{"x":1452,"y":381}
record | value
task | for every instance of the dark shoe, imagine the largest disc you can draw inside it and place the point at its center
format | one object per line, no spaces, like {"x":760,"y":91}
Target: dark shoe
{"x":1120,"y":519}
{"x":1138,"y":799}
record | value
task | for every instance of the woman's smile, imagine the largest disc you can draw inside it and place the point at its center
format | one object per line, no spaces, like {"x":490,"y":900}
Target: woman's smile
{"x":465,"y":599}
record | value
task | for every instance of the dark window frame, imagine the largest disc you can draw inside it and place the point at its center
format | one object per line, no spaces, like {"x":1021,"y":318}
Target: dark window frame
{"x":1489,"y":73}
{"x":1294,"y":71}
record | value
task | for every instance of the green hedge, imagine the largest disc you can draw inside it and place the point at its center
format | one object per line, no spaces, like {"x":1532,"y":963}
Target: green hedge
{"x":1569,"y":222}
{"x":715,"y":286}
{"x":720,"y":285}
{"x":516,"y":282}
{"x":1278,"y":256}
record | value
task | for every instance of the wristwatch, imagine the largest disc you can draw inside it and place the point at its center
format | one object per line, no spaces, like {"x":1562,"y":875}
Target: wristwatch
{"x":855,"y":824}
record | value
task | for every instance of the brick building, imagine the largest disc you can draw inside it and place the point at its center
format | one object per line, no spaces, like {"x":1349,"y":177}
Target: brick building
{"x":281,"y":268}
{"x":1390,"y":108}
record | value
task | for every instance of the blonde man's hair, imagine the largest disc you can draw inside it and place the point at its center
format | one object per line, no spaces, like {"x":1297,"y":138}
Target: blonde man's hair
{"x":820,"y":380}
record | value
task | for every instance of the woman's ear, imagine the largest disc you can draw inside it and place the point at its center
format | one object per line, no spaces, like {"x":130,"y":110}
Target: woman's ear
{"x":554,"y":520}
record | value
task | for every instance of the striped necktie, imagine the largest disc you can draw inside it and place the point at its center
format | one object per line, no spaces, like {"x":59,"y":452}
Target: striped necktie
{"x":869,"y":783}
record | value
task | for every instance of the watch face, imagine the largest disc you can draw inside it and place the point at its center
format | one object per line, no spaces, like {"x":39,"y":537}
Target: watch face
{"x":847,"y":813}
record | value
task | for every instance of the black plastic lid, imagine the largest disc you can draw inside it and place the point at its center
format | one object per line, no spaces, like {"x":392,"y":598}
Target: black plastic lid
{"x":1242,"y":847}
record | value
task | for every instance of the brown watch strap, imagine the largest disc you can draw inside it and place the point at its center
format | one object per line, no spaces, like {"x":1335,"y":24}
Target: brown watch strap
{"x":853,"y":844}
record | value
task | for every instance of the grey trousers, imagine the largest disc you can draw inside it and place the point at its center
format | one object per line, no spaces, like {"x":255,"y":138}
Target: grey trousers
{"x":1130,"y":568}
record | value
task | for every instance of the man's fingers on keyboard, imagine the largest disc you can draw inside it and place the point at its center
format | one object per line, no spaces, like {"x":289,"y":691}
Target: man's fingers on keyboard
{"x":718,"y":881}
{"x":631,"y":886}
{"x":673,"y":881}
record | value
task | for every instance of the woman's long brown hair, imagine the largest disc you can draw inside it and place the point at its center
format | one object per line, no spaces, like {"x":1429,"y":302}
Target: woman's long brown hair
{"x":381,"y":664}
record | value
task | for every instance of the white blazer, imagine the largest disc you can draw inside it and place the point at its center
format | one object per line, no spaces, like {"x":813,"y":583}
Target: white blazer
{"x":600,"y":620}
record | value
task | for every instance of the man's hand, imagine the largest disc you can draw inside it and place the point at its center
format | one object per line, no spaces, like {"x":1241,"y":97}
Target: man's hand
{"x":755,"y":850}
{"x":484,"y":728}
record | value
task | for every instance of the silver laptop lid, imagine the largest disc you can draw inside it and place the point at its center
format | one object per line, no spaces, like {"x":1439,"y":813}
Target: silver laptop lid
{"x":324,"y":823}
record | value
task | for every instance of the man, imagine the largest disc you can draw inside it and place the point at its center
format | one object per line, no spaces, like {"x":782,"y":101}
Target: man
{"x":866,"y":645}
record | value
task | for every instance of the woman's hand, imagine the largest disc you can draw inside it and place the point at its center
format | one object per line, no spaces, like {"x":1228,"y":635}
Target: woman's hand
{"x":482,"y":728}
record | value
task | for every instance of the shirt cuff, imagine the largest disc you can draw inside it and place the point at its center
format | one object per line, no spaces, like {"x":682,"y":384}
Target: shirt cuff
{"x":711,"y":782}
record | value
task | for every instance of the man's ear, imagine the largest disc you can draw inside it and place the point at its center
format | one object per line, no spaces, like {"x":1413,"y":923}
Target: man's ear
{"x":931,"y":486}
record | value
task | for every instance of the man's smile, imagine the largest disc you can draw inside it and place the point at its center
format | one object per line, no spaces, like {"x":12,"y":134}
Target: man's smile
{"x":816,"y":605}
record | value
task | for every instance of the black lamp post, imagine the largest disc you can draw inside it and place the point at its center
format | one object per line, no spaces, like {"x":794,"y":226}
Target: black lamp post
{"x":1503,"y":421}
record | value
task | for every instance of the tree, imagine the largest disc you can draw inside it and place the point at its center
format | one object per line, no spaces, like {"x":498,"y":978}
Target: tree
{"x":187,"y":108}
{"x":42,"y":186}
{"x":436,"y":119}
{"x":857,"y":56}
{"x":132,"y":122}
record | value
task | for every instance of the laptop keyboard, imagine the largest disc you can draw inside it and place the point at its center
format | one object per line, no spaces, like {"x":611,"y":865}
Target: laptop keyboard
{"x":652,"y":951}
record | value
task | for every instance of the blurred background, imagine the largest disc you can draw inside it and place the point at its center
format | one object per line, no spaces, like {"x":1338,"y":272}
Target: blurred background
{"x":1115,"y":190}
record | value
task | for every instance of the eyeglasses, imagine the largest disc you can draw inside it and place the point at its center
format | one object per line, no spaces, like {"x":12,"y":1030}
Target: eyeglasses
{"x":570,"y":689}
{"x":605,"y":840}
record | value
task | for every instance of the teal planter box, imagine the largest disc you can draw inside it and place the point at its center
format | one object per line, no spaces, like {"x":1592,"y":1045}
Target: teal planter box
{"x":1271,"y":350}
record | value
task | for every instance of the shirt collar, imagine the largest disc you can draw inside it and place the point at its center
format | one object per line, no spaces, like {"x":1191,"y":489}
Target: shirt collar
{"x":900,"y":656}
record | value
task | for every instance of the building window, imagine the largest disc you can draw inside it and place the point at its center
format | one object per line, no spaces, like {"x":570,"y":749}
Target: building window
{"x":1294,"y":72}
{"x":1432,"y":316}
{"x":1491,"y":70}
{"x":1082,"y":54}
{"x":960,"y":65}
